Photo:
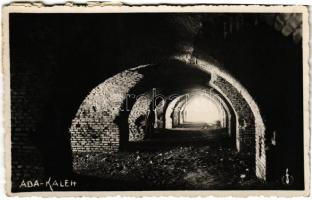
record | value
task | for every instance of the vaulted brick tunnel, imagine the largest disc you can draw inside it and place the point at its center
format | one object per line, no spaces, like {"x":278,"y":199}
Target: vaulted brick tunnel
{"x":92,"y":97}
{"x":101,"y":124}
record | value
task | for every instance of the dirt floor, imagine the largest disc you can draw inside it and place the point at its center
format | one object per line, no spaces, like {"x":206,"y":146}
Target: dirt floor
{"x":163,"y":165}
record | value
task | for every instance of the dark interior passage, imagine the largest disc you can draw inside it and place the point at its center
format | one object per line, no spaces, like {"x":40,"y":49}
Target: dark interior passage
{"x":57,"y":60}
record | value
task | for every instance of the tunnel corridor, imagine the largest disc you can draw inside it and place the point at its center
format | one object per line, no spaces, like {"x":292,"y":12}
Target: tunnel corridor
{"x":192,"y":149}
{"x":157,"y":100}
{"x":206,"y":114}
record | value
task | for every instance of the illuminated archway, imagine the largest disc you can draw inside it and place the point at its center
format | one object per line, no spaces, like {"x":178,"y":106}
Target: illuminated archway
{"x":101,"y":117}
{"x":169,"y":111}
{"x":223,"y":107}
{"x":202,"y":110}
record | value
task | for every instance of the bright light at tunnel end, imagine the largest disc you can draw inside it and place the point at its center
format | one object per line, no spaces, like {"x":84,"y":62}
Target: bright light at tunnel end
{"x":198,"y":108}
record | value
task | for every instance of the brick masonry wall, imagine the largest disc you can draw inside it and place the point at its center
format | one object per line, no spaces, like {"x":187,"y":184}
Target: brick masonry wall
{"x":27,"y":95}
{"x":246,"y":139}
{"x":169,"y":110}
{"x":26,"y":105}
{"x":246,"y":121}
{"x":137,"y":117}
{"x":94,"y":129}
{"x":176,"y":110}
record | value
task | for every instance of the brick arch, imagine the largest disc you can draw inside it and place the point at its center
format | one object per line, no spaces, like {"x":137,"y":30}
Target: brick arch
{"x":250,"y":132}
{"x":176,"y":114}
{"x":93,"y":129}
{"x":138,"y":114}
{"x":169,"y":110}
{"x":209,"y":93}
{"x":103,"y":116}
{"x":137,"y":117}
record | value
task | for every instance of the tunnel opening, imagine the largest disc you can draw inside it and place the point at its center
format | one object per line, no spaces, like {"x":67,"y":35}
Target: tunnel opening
{"x":205,"y":111}
{"x":193,"y":118}
{"x":200,"y":112}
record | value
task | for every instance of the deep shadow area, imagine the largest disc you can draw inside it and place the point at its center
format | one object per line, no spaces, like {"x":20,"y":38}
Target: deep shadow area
{"x":57,"y":59}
